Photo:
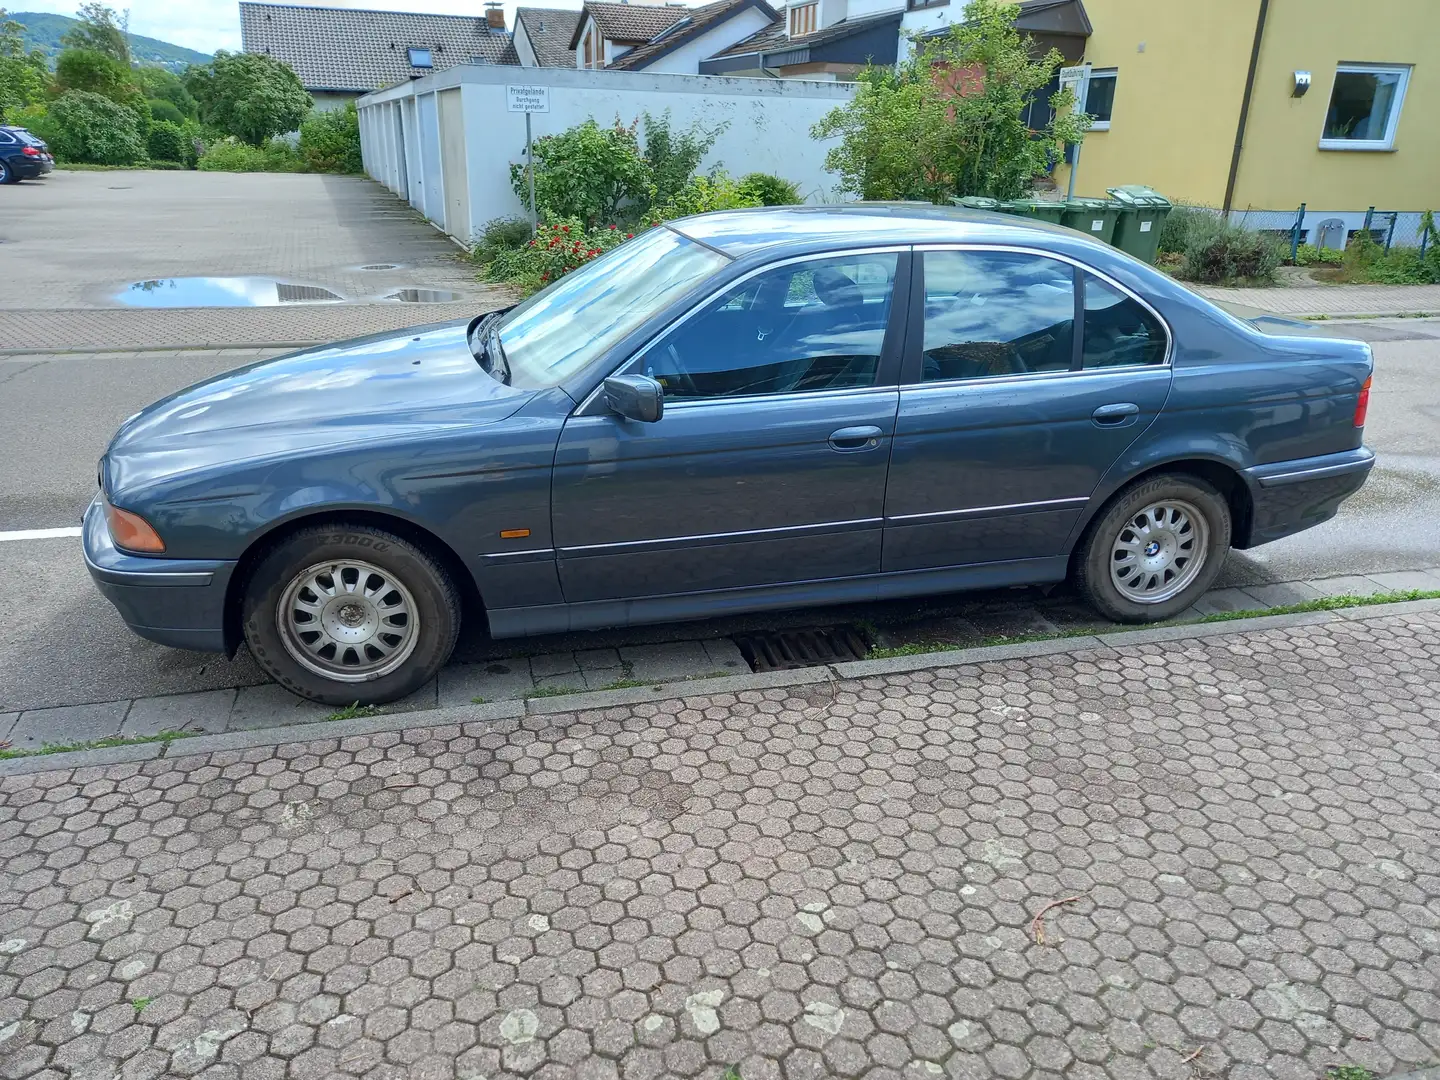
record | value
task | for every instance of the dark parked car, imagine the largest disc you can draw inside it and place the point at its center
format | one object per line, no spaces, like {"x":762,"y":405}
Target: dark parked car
{"x":23,"y":156}
{"x":739,"y":411}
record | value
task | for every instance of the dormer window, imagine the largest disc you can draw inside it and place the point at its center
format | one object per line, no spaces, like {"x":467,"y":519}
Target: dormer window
{"x":803,"y":19}
{"x":420,"y":58}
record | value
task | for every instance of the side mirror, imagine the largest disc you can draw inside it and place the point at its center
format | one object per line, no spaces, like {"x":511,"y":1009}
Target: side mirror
{"x":635,"y":397}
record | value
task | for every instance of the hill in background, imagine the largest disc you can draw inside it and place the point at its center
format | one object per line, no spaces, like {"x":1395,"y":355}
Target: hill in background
{"x":44,"y":30}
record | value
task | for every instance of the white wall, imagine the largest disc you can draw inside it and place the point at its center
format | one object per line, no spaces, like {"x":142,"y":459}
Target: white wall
{"x":921,"y":22}
{"x":768,"y":127}
{"x":523,"y":49}
{"x":326,"y":100}
{"x":686,"y":59}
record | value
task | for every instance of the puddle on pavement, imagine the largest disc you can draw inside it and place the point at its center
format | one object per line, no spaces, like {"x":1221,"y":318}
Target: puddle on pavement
{"x":424,"y":296}
{"x":189,"y":292}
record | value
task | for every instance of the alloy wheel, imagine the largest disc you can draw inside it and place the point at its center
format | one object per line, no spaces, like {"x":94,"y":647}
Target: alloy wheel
{"x":1159,"y":551}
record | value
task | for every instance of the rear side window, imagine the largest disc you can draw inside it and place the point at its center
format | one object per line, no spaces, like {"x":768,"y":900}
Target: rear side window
{"x":996,"y":313}
{"x":6,"y":139}
{"x":1119,"y":332}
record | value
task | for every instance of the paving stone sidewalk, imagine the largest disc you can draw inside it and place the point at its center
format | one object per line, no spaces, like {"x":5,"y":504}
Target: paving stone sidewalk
{"x":850,"y":878}
{"x":1336,"y":300}
{"x":515,"y":670}
{"x":30,"y":331}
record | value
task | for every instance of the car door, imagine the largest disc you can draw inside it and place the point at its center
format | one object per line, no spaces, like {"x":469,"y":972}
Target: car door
{"x":769,"y":463}
{"x":1026,"y":378}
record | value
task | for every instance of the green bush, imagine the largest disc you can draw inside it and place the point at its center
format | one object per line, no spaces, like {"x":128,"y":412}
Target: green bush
{"x":557,"y":249}
{"x":249,"y":95}
{"x":498,"y":235}
{"x":87,"y":127}
{"x":35,"y":119}
{"x":1306,"y":255}
{"x":330,"y":140}
{"x":588,"y":173}
{"x":673,"y":156}
{"x":233,"y":156}
{"x":1216,"y":251}
{"x":702,"y":194}
{"x":1175,"y":232}
{"x":769,"y":189}
{"x":1367,"y":263}
{"x":167,"y":142}
{"x":159,"y":84}
{"x":162,"y":110}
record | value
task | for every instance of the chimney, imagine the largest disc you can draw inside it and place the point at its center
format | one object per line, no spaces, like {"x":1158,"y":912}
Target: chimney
{"x":495,"y":16}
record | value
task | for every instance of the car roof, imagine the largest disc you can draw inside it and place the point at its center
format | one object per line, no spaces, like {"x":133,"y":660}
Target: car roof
{"x":739,"y":233}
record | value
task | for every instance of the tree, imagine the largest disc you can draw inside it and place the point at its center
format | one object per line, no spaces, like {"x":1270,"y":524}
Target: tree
{"x":330,"y":140}
{"x":99,"y":29}
{"x":948,"y":120}
{"x":163,"y":85}
{"x":673,"y":156}
{"x":22,"y":74}
{"x":92,"y":128}
{"x":249,"y":95}
{"x":99,"y":73}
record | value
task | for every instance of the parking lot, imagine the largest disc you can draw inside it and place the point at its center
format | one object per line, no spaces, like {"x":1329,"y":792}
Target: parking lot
{"x":70,"y":650}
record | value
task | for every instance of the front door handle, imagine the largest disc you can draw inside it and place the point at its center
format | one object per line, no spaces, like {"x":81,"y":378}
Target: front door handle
{"x":1117,"y":415}
{"x":849,"y":439}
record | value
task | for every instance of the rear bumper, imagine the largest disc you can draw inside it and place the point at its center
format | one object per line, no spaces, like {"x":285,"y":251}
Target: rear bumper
{"x":176,"y":602}
{"x":29,"y":169}
{"x":1290,"y":496}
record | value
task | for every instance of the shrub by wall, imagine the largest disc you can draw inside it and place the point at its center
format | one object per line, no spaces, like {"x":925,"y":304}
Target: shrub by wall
{"x":330,"y":141}
{"x":89,"y":128}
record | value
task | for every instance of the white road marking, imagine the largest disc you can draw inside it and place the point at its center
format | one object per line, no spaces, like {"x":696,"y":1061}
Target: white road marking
{"x":38,"y":534}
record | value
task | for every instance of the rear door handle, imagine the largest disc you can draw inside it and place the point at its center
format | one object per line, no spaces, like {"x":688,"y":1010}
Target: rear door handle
{"x":850,"y":439}
{"x":1116,"y":415}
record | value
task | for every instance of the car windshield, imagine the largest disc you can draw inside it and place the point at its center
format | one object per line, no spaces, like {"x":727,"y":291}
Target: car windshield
{"x":557,"y":332}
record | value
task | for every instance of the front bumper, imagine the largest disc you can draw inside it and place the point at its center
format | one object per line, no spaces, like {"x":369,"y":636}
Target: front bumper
{"x":177,"y":602}
{"x":1290,"y":496}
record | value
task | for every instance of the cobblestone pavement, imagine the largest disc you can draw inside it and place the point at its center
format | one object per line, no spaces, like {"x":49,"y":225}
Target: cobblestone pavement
{"x":850,"y":878}
{"x":1333,"y":299}
{"x":23,"y":332}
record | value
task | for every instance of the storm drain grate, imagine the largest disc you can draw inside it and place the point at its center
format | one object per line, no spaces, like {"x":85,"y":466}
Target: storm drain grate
{"x":780,"y":650}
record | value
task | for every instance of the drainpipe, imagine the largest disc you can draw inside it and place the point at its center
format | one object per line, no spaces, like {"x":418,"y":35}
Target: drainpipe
{"x":1245,"y":106}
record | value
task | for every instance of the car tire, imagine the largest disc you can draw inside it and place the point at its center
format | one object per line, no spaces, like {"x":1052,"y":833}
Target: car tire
{"x":349,"y":614}
{"x":7,"y":174}
{"x":1154,"y":549}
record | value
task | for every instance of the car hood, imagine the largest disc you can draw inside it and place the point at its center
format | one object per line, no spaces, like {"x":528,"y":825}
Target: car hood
{"x":417,"y":381}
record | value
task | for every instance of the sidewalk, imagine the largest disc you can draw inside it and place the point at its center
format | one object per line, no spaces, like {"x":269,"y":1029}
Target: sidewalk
{"x":1333,"y":300}
{"x":574,"y":664}
{"x":104,"y":329}
{"x":1195,"y":852}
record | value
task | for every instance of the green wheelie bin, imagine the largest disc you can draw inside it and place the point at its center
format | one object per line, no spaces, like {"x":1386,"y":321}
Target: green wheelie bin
{"x":1142,"y":214}
{"x":1093,"y":217}
{"x":977,"y":202}
{"x":1039,"y":209}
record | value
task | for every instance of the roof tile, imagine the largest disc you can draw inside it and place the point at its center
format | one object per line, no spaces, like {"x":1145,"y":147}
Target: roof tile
{"x":550,"y":31}
{"x":355,"y":50}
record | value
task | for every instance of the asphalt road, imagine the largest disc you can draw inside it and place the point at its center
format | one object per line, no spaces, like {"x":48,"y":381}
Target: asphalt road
{"x":61,"y":643}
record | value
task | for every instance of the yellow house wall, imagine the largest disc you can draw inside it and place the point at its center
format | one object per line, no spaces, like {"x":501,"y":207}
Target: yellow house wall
{"x":1282,"y":164}
{"x":1177,"y":102}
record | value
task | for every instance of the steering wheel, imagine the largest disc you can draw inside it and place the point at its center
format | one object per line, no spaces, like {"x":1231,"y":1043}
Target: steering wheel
{"x":683,"y":382}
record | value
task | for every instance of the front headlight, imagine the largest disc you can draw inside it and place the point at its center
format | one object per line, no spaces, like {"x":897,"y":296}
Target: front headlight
{"x":132,"y":532}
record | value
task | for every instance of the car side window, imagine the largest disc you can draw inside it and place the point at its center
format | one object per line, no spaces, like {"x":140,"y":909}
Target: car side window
{"x":805,"y":326}
{"x":991,"y":313}
{"x":1119,"y":332}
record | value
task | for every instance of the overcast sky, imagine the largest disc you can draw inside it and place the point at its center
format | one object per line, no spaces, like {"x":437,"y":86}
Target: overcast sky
{"x":208,"y":25}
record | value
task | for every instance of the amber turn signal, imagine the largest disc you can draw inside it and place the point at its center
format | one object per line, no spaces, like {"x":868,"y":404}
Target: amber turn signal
{"x":132,"y":532}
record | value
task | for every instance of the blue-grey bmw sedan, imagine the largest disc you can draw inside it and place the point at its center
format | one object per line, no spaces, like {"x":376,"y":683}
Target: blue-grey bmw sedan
{"x":733,"y":412}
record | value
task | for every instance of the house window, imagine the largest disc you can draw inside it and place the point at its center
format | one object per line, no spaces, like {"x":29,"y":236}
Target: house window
{"x":587,"y":48}
{"x":421,"y":58}
{"x":1364,"y":107}
{"x":802,"y":19}
{"x":917,"y":5}
{"x":1100,"y":98}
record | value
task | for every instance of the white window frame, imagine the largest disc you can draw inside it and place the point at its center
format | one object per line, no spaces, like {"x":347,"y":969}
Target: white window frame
{"x":1093,"y":76}
{"x":1392,"y":121}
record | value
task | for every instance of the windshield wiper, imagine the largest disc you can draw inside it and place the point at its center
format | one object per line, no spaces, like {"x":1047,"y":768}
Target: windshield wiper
{"x":479,"y":339}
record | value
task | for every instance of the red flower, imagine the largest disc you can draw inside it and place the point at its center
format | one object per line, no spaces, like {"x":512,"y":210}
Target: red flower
{"x":614,"y":226}
{"x":564,"y":228}
{"x":594,"y":252}
{"x":629,"y":236}
{"x":544,"y":277}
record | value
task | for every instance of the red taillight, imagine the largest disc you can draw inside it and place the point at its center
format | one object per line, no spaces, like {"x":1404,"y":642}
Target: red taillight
{"x":30,"y":151}
{"x":1363,"y":405}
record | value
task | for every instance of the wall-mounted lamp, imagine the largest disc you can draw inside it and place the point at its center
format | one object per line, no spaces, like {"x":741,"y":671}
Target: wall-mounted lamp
{"x":1302,"y":83}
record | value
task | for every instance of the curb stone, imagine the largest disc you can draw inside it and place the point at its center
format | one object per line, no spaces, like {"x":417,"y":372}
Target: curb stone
{"x":327,"y":731}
